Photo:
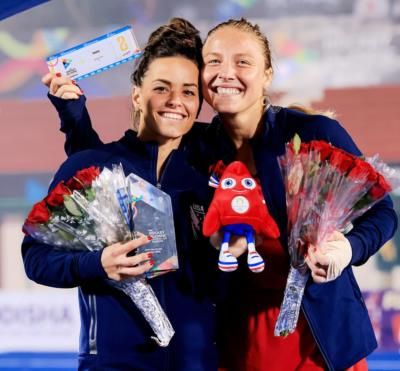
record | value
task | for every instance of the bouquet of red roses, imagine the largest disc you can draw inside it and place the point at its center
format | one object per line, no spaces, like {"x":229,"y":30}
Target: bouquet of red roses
{"x":92,"y":210}
{"x":57,"y":220}
{"x":326,"y":189}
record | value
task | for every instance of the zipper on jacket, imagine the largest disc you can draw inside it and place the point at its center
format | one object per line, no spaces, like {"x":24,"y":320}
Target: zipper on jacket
{"x":92,"y":325}
{"x":153,"y":161}
{"x":324,"y":356}
{"x":159,"y":182}
{"x":166,"y":163}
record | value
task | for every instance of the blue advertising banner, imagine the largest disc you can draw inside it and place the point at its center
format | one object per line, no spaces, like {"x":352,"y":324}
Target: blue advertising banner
{"x":11,"y":7}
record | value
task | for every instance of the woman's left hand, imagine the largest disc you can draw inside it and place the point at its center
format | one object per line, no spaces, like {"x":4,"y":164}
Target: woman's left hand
{"x":62,"y":87}
{"x":327,"y":261}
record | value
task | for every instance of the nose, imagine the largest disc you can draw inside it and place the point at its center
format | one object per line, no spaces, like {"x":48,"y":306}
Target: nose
{"x":174,"y":99}
{"x":226,"y":71}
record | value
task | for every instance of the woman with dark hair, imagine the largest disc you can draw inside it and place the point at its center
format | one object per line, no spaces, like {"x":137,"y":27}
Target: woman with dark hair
{"x":114,"y":335}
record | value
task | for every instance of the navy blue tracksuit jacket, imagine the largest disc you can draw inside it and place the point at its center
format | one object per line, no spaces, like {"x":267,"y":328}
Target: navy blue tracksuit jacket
{"x":114,"y":334}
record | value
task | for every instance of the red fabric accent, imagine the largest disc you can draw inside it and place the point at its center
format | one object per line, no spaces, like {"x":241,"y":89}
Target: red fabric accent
{"x":250,"y":341}
{"x":359,"y":366}
{"x":276,"y":267}
{"x":251,"y":344}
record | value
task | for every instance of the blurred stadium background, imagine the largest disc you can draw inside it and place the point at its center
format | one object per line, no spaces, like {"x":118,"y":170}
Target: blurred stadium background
{"x":330,"y":54}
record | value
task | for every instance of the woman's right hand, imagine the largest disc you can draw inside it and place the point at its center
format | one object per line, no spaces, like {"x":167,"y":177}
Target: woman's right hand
{"x":61,"y":87}
{"x":119,"y":266}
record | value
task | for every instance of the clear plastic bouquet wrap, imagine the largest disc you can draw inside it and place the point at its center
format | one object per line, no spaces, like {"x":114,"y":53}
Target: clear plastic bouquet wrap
{"x":95,"y":209}
{"x":326,"y":189}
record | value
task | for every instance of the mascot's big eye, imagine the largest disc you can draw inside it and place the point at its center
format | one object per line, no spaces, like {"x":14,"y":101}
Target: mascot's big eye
{"x":248,"y":183}
{"x":228,"y":183}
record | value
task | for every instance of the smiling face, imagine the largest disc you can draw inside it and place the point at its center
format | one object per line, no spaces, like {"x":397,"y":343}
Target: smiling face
{"x":168,"y":99}
{"x":234,"y":75}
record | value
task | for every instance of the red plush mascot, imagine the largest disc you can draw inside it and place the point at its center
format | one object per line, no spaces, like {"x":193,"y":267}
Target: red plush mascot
{"x":238,"y":208}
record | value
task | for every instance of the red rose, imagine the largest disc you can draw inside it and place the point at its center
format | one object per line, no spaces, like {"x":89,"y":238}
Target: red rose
{"x":341,"y":160}
{"x":380,"y":188}
{"x":86,"y":176}
{"x":304,"y":148}
{"x":362,"y":169}
{"x":74,"y":184}
{"x":322,"y":147}
{"x":83,"y":178}
{"x":56,"y":196}
{"x":39,"y":213}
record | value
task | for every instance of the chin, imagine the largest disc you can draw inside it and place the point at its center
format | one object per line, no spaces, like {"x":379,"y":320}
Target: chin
{"x":225,"y":108}
{"x":174,"y":134}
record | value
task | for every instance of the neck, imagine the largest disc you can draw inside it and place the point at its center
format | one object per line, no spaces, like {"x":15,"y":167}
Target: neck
{"x":245,"y":154}
{"x":165,"y":146}
{"x":241,"y":127}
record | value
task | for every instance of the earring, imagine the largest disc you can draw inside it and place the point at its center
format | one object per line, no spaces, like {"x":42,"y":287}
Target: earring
{"x":266,"y":102}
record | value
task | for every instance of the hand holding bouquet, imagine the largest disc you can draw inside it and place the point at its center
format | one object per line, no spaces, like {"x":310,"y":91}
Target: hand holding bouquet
{"x":95,"y":210}
{"x":326,"y":189}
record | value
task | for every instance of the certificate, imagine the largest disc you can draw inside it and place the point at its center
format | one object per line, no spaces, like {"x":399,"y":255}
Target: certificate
{"x":97,"y":55}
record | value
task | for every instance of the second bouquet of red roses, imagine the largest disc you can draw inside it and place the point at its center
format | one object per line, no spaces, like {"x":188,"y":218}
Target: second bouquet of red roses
{"x":95,"y":209}
{"x":326,"y":189}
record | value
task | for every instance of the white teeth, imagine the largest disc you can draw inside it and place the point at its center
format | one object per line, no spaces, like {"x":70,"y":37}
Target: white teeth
{"x":228,"y":91}
{"x":173,"y":116}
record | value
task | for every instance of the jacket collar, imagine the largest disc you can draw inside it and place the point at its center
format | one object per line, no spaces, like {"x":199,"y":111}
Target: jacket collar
{"x":224,"y":145}
{"x":131,"y":141}
{"x":177,"y":175}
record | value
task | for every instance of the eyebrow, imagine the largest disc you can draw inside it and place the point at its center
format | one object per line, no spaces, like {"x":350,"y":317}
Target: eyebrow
{"x":169,"y":83}
{"x":244,"y":55}
{"x":240,"y":55}
{"x":213,"y":53}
